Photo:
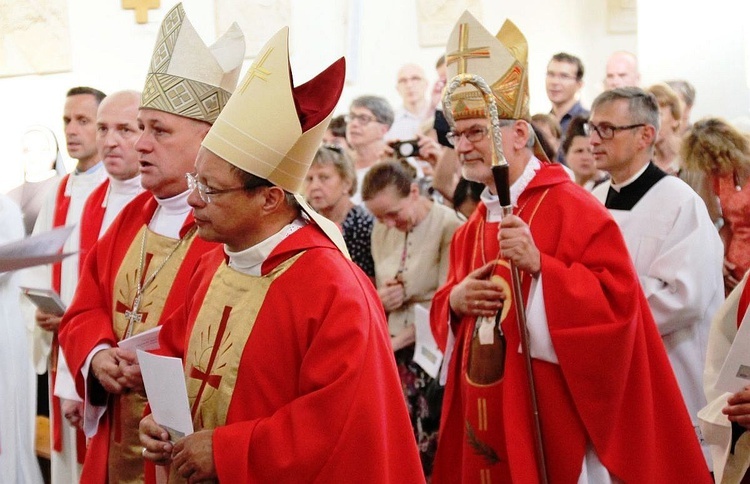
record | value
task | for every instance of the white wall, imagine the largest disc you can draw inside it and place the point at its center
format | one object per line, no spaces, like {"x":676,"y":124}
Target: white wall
{"x":111,"y":52}
{"x":710,"y":50}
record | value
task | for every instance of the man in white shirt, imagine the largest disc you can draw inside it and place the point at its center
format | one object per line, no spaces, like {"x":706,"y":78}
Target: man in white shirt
{"x":116,"y":133}
{"x":676,"y":250}
{"x":63,"y":207}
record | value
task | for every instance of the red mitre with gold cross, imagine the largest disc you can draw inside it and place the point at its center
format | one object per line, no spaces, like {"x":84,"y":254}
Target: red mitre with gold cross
{"x":501,"y":61}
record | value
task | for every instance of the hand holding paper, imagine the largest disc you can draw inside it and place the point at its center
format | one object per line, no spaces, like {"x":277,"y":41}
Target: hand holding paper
{"x":164,"y":380}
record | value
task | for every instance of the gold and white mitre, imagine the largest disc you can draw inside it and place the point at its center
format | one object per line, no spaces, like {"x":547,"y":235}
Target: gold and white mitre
{"x":188,"y":78}
{"x":501,"y":60}
{"x":271,"y":129}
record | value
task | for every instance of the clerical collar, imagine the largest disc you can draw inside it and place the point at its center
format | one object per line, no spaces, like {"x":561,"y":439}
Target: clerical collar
{"x":175,"y":205}
{"x":617,"y":186}
{"x":250,"y":260}
{"x":494,"y":210}
{"x":625,"y":195}
{"x":91,"y":170}
{"x":125,"y":186}
{"x":170,"y":215}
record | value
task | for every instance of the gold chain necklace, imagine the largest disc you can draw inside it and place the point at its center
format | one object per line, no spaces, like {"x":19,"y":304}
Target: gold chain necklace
{"x":132,"y":315}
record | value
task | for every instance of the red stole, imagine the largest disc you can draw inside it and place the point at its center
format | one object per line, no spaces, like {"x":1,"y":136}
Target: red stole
{"x":91,"y":221}
{"x":62,"y":204}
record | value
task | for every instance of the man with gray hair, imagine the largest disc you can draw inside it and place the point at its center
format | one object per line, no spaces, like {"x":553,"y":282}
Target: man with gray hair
{"x":369,"y":119}
{"x":579,"y":302}
{"x":675,"y":248}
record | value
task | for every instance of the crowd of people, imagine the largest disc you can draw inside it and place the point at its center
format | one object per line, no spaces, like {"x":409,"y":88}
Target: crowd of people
{"x":419,"y":294}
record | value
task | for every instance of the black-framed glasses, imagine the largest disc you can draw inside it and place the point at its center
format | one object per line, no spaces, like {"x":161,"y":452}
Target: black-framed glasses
{"x":472,"y":135}
{"x":607,"y":131}
{"x":363,"y":119}
{"x":204,"y":191}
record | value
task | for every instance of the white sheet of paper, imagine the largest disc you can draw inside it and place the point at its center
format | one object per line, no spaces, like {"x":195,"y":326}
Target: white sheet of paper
{"x":426,"y":351}
{"x":735,"y":373}
{"x":164,"y":379}
{"x":146,"y":341}
{"x":36,"y":250}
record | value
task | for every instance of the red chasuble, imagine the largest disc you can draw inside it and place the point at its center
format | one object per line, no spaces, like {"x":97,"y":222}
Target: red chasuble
{"x":613,"y":387}
{"x":294,"y":369}
{"x":98,"y":302}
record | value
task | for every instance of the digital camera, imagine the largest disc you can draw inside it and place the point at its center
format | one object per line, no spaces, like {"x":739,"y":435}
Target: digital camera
{"x":405,"y":149}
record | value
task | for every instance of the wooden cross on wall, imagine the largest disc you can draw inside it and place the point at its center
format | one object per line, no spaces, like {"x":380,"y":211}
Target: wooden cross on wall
{"x":141,"y":8}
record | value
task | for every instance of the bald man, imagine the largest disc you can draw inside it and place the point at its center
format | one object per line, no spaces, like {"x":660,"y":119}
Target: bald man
{"x":411,"y":85}
{"x":116,"y":133}
{"x":622,"y":71}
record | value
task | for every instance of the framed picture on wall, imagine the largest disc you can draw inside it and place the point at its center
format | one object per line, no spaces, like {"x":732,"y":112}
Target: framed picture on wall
{"x":34,"y":38}
{"x":622,"y":16}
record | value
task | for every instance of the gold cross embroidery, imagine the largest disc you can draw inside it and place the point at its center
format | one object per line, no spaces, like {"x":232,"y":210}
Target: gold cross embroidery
{"x":464,"y":52}
{"x":206,"y":377}
{"x":257,"y":70}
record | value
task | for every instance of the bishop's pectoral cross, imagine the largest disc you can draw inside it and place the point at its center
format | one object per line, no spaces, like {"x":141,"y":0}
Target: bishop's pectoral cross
{"x":206,"y":377}
{"x":132,"y":313}
{"x":464,"y":52}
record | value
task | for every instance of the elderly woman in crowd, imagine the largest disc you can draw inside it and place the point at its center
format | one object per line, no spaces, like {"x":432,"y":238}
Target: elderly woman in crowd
{"x":329,"y":184}
{"x":410,"y":246}
{"x":722,"y":153}
{"x":579,"y":156}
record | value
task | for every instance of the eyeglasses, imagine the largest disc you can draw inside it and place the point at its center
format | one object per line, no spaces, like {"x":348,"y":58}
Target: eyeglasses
{"x":363,"y":119}
{"x":205,"y":192}
{"x":607,"y":131}
{"x":473,"y":135}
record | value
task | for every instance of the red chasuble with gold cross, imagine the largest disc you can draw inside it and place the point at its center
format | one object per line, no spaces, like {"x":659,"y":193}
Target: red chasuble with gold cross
{"x":613,"y":386}
{"x":294,"y":369}
{"x":103,"y":312}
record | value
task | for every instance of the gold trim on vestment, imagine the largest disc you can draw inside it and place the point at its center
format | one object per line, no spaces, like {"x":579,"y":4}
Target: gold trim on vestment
{"x":228,"y":314}
{"x":125,"y":460}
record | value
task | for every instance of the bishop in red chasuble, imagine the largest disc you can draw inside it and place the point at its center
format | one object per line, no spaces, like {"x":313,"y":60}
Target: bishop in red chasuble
{"x":288,"y":363}
{"x":293,"y":370}
{"x":609,"y":406}
{"x":137,"y":273}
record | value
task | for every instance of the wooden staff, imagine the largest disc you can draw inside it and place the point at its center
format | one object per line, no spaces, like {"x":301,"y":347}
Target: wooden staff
{"x":502,"y":185}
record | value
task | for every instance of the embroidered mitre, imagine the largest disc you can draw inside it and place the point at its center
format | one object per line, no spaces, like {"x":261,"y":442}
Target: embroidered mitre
{"x":188,"y":78}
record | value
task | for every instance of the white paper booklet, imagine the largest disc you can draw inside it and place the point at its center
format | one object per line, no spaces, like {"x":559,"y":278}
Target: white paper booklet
{"x":146,"y":341}
{"x":164,"y":380}
{"x":426,"y":351}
